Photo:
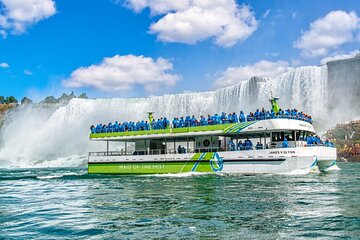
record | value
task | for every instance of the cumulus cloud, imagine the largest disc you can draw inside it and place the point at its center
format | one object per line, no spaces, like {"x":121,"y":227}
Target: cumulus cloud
{"x":339,"y":57}
{"x":4,"y":65}
{"x":263,"y":68}
{"x":121,"y":73}
{"x":17,"y":15}
{"x":191,"y":21}
{"x":329,"y":32}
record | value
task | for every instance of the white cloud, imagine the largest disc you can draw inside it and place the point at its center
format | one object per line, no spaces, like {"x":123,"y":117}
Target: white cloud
{"x":17,"y":15}
{"x":3,"y":33}
{"x":28,"y":72}
{"x":263,"y":68}
{"x":266,"y":14}
{"x":191,"y":21}
{"x":4,"y":65}
{"x":329,"y":32}
{"x":339,"y":57}
{"x":157,"y":6}
{"x":121,"y":73}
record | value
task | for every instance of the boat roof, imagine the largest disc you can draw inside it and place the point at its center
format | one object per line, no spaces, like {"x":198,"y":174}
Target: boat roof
{"x":242,"y":128}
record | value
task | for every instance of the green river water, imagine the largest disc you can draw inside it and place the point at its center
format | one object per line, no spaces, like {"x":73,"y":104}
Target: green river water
{"x":70,"y":204}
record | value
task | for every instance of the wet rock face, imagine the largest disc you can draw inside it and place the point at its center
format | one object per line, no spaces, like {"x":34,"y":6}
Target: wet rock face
{"x":344,"y":87}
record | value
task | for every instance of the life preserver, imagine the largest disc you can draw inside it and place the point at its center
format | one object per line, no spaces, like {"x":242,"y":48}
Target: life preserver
{"x":206,"y":143}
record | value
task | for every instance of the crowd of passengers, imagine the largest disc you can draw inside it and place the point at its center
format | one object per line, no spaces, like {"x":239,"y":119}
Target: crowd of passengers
{"x":311,"y":140}
{"x":223,"y":118}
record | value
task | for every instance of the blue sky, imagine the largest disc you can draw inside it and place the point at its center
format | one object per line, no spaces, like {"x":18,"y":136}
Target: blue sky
{"x":135,"y":48}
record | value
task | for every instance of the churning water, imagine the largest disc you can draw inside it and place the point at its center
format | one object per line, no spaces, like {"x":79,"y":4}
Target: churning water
{"x":69,"y":203}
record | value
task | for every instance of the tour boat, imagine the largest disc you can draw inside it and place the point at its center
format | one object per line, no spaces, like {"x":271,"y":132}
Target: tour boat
{"x":210,"y":149}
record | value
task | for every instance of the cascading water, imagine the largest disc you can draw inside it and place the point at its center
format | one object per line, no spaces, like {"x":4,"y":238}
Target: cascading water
{"x":60,"y":138}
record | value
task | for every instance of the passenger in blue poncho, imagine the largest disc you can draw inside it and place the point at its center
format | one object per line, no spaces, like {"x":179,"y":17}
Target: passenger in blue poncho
{"x":217,"y":119}
{"x":147,"y":125}
{"x":272,"y":114}
{"x":229,"y":119}
{"x":166,"y":123}
{"x":181,"y":122}
{"x":187,"y":121}
{"x":258,"y":146}
{"x":242,"y":116}
{"x":223,"y":117}
{"x":248,"y":144}
{"x":116,"y":126}
{"x":285,"y":143}
{"x":179,"y":149}
{"x":262,"y":114}
{"x":281,"y":113}
{"x":175,"y":123}
{"x":240,"y":146}
{"x":310,"y":140}
{"x":248,"y":118}
{"x":234,"y":118}
{"x":231,"y":145}
{"x":257,"y":114}
{"x":203,"y":121}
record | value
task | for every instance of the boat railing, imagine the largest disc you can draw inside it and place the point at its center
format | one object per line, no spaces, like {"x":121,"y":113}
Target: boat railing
{"x":250,"y":119}
{"x":190,"y":150}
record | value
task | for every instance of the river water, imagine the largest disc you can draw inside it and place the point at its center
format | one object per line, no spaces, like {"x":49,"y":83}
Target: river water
{"x":69,"y":203}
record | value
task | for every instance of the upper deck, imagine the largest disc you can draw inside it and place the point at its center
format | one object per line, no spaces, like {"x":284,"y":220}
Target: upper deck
{"x":248,"y":127}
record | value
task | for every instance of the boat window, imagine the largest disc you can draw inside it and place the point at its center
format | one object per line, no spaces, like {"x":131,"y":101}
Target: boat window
{"x":279,"y":136}
{"x":257,"y":141}
{"x":302,"y":135}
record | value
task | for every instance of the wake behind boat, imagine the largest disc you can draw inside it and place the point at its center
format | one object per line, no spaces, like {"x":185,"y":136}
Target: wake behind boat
{"x":286,"y":141}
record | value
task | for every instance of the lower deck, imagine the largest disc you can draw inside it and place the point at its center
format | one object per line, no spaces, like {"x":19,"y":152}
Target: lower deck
{"x":281,"y":160}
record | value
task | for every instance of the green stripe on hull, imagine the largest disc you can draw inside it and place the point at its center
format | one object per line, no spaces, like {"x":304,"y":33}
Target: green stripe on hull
{"x":148,"y":168}
{"x":200,"y":162}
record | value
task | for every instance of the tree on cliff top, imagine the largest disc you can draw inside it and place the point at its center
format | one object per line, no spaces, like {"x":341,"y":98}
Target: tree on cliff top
{"x":26,"y":100}
{"x":50,"y":99}
{"x":84,"y":96}
{"x":10,"y":99}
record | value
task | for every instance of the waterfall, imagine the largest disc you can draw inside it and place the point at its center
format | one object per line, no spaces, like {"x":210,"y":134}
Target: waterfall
{"x":33,"y":136}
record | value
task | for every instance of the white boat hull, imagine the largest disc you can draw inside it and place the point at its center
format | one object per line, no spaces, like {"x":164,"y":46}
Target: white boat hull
{"x":279,"y":160}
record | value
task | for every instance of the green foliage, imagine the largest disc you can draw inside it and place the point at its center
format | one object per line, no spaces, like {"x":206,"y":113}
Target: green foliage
{"x":50,"y":99}
{"x":26,"y":100}
{"x":2,"y":99}
{"x":10,"y":99}
{"x":339,"y":133}
{"x":83,"y":95}
{"x":63,"y":99}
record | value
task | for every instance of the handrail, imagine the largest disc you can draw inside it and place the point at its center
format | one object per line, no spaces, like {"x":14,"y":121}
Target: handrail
{"x":190,"y":150}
